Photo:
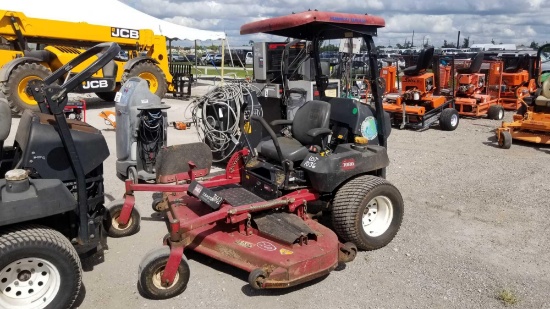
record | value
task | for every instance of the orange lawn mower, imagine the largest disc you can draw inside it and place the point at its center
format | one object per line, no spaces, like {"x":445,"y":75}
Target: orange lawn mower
{"x":515,"y":78}
{"x":478,"y":93}
{"x":418,"y":106}
{"x":532,"y":122}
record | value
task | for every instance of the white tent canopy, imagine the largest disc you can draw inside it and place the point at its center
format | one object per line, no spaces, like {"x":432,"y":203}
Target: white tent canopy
{"x":107,"y":13}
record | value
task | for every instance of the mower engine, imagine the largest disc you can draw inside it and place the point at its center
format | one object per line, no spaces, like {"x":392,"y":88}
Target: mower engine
{"x":470,"y":84}
{"x":141,"y":125}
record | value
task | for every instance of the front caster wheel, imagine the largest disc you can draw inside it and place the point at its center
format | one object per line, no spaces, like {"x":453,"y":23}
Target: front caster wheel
{"x":115,"y":229}
{"x":257,"y":278}
{"x":150,"y":273}
{"x":505,"y":140}
{"x":347,"y":252}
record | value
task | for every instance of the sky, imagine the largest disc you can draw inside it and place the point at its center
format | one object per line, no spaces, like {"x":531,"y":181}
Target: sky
{"x":433,"y":21}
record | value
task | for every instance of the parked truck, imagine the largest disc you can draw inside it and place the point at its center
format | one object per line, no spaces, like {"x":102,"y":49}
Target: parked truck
{"x":33,"y":48}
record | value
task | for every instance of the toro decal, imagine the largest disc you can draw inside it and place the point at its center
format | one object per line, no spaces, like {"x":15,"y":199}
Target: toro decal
{"x":124,"y":33}
{"x":347,"y":164}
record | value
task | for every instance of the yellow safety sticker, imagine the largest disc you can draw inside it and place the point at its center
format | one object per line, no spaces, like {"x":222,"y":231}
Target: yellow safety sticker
{"x":285,"y":251}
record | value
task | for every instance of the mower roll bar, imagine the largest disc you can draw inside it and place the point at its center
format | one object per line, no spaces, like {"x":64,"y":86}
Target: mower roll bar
{"x":51,"y":99}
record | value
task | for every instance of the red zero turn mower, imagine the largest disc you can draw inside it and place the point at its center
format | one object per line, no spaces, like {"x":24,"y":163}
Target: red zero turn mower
{"x":256,"y":216}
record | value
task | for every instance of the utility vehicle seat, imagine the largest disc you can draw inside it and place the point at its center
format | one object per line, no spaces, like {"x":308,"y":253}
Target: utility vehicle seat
{"x":544,"y":98}
{"x":518,"y":66}
{"x":5,"y":120}
{"x":312,"y":115}
{"x":424,"y":59}
{"x":475,"y":65}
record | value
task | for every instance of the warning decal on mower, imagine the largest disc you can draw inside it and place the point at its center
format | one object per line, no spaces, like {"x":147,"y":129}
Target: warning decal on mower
{"x":369,"y":128}
{"x":243,"y":243}
{"x":284,"y":251}
{"x":267,"y":246}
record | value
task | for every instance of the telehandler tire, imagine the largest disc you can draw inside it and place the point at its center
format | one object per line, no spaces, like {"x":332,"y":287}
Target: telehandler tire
{"x":152,"y":74}
{"x":15,"y":88}
{"x":39,"y":268}
{"x":368,"y":212}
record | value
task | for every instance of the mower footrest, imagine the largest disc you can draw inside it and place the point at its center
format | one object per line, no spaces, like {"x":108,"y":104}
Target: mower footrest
{"x":285,"y":227}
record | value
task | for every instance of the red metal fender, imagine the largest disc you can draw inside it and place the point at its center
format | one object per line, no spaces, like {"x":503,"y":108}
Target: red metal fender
{"x":174,"y":260}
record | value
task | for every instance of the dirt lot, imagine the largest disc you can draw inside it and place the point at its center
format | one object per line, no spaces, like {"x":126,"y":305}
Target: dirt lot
{"x":476,"y":224}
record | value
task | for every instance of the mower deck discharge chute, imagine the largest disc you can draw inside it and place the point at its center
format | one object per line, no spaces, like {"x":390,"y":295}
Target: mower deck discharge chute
{"x":418,"y":106}
{"x":257,"y":216}
{"x":478,"y":93}
{"x":532,"y":121}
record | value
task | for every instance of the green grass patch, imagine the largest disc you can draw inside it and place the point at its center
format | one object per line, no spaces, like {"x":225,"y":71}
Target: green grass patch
{"x":507,"y":297}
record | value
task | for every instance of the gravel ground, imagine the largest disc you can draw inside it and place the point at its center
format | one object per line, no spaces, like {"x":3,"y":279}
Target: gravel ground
{"x":475,"y":224}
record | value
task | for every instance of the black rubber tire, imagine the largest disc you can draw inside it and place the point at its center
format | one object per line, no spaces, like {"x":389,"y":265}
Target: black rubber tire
{"x":256,"y":277}
{"x":35,"y":241}
{"x":349,"y":204}
{"x":148,"y":67}
{"x":495,"y":112}
{"x":113,"y":211}
{"x":155,"y":202}
{"x":106,"y":96}
{"x":10,"y":87}
{"x":505,"y":141}
{"x":347,"y":253}
{"x":153,"y":263}
{"x":445,"y":120}
{"x":133,"y":174}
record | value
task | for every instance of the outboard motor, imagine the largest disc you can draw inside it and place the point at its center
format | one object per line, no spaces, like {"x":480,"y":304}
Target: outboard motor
{"x":141,"y":126}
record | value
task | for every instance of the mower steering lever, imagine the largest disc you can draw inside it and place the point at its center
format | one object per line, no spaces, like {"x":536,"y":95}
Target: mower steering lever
{"x":271,"y":134}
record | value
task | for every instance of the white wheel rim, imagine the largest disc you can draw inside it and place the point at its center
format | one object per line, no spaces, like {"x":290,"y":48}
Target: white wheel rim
{"x":454,"y":120}
{"x":157,"y":279}
{"x":500,"y":114}
{"x":377,"y":216}
{"x":29,"y":283}
{"x":118,"y":226}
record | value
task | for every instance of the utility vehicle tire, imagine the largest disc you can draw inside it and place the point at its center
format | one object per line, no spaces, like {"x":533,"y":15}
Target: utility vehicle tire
{"x":106,"y":96}
{"x":368,"y":212}
{"x":113,"y":228}
{"x":39,"y":268}
{"x":150,"y":272}
{"x":505,"y":141}
{"x":495,"y":112}
{"x":256,"y":278}
{"x":449,"y":119}
{"x":133,"y":174}
{"x":152,"y":74}
{"x":15,"y":88}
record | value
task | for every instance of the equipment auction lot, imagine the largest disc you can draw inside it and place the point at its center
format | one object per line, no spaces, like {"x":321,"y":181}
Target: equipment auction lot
{"x":476,"y":223}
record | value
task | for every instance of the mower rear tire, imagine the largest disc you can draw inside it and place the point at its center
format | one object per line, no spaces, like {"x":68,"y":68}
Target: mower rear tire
{"x":368,"y":212}
{"x":256,"y":278}
{"x":15,"y":88}
{"x":505,"y":141}
{"x":449,"y":119}
{"x":106,"y":96}
{"x":111,"y":225}
{"x":39,"y":268}
{"x":150,"y":272}
{"x":495,"y":112}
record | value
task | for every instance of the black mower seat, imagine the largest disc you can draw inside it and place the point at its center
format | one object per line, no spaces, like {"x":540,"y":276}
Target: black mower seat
{"x":518,"y":66}
{"x":544,"y":98}
{"x":475,"y":65}
{"x":424,"y":59}
{"x":312,"y":115}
